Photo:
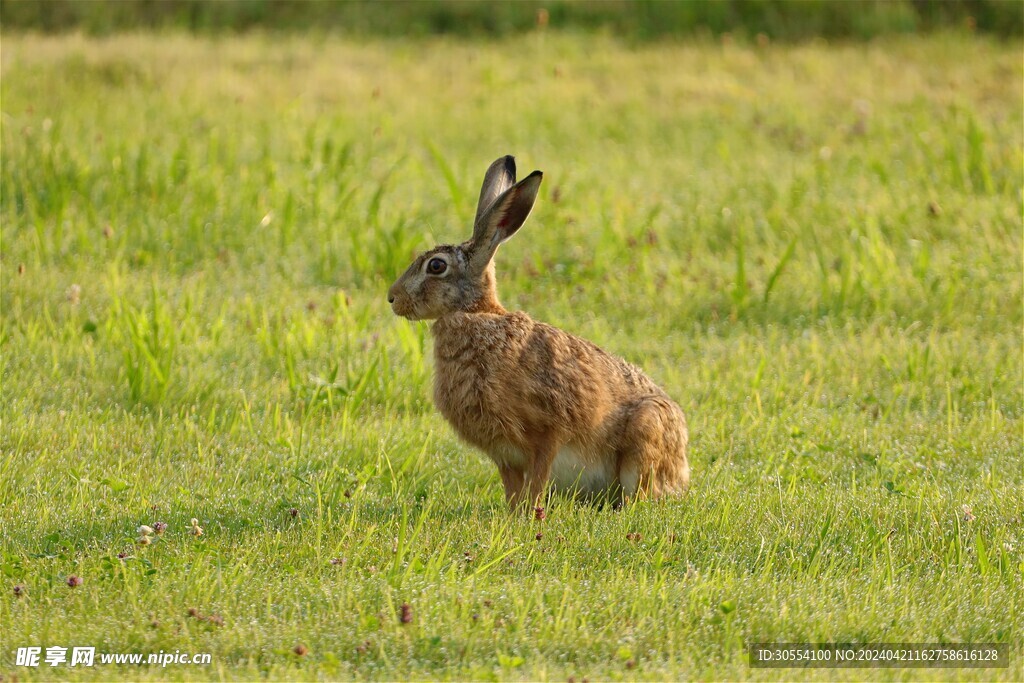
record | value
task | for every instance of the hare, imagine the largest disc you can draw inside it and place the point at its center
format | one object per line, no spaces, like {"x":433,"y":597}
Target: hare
{"x":544,"y":405}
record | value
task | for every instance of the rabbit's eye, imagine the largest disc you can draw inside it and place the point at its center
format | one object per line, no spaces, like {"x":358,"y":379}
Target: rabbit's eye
{"x":436,"y":266}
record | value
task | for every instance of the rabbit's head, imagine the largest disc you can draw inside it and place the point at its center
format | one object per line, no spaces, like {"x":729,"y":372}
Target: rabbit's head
{"x":451,"y":278}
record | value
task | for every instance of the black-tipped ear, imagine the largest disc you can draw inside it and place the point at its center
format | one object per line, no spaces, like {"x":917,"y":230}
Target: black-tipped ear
{"x":504,"y":217}
{"x":500,"y":176}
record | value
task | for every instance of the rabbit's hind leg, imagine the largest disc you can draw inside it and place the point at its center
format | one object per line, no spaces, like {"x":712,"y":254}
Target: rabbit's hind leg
{"x":652,"y":449}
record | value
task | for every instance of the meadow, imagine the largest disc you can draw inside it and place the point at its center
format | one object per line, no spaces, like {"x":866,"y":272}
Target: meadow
{"x":815,"y":248}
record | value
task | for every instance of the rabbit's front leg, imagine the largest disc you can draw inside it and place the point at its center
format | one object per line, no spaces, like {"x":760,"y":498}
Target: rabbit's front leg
{"x":514,"y":480}
{"x":544,"y":449}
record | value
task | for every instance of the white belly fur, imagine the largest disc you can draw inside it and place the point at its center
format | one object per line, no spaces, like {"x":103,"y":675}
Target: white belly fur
{"x":505,"y":454}
{"x":570,"y":471}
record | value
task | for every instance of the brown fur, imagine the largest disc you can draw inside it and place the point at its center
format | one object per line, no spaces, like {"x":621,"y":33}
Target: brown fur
{"x":541,"y":403}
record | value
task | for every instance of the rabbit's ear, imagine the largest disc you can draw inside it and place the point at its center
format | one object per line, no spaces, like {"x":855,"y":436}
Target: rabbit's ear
{"x":500,"y":221}
{"x":499,"y":177}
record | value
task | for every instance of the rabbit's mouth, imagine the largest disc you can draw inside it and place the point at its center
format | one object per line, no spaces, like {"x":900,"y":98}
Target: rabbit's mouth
{"x":401,"y":303}
{"x":404,"y":309}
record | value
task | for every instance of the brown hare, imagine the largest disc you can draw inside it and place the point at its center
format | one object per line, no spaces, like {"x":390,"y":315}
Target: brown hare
{"x":542,"y":404}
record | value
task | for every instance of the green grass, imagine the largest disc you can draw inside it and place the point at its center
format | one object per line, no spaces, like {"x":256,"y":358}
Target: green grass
{"x":634,"y":20}
{"x":817,"y":250}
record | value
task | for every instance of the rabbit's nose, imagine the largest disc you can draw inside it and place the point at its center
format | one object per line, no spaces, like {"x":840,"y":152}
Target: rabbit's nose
{"x":391,"y":298}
